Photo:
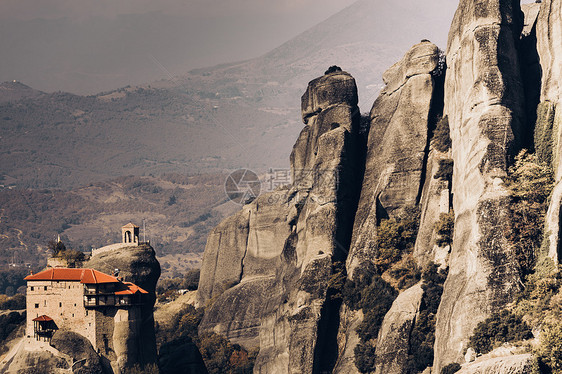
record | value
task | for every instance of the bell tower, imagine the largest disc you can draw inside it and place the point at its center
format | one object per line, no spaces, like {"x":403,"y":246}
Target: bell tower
{"x":130,"y":234}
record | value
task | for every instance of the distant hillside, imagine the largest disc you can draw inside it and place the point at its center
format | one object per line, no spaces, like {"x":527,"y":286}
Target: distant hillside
{"x":178,"y":211}
{"x":14,"y":91}
{"x":237,"y":115}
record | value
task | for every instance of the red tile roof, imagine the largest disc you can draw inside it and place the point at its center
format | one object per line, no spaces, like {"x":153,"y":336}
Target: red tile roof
{"x":86,"y":276}
{"x":43,"y":318}
{"x":131,"y":289}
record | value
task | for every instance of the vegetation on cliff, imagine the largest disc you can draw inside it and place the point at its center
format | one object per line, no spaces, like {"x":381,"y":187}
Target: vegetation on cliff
{"x":442,"y":135}
{"x":530,"y":184}
{"x":375,"y":285}
{"x":539,"y":305}
{"x":422,"y":336}
{"x":501,"y":327}
{"x":181,"y":346}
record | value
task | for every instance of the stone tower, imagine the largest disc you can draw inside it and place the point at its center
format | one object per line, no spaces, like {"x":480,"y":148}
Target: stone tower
{"x":130,"y":234}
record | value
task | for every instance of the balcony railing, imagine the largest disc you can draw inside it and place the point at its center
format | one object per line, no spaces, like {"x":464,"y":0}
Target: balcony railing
{"x":97,"y":302}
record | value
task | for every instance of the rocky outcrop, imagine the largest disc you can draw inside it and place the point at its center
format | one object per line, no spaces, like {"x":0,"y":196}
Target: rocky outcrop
{"x":285,"y":244}
{"x":395,"y":175}
{"x":398,"y":146}
{"x":84,"y":357}
{"x":549,"y":31}
{"x":548,"y":131}
{"x":68,"y":352}
{"x":36,"y":358}
{"x":347,"y":340}
{"x":484,"y":103}
{"x":516,"y":364}
{"x":134,"y":339}
{"x":435,"y":201}
{"x":266,"y":270}
{"x":393,"y":343}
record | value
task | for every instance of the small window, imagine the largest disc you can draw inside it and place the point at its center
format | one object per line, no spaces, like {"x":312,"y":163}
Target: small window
{"x":45,"y":288}
{"x":45,"y":302}
{"x":74,"y":304}
{"x":31,"y":288}
{"x":87,"y":314}
{"x":73,"y":315}
{"x":36,"y":306}
{"x":60,"y":305}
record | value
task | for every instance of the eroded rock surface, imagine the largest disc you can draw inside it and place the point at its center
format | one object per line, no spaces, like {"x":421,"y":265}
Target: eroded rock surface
{"x":393,"y":343}
{"x":265,"y":270}
{"x":548,"y":131}
{"x":84,"y":357}
{"x":397,"y":146}
{"x":515,"y":364}
{"x":484,"y":102}
{"x":134,"y":339}
{"x":395,"y":166}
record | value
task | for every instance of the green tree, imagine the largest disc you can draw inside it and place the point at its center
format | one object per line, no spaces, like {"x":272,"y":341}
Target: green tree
{"x":530,"y":183}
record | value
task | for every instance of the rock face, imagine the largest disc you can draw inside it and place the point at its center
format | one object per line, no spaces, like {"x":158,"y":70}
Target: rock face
{"x":134,"y":340}
{"x":279,"y":251}
{"x":267,"y":269}
{"x":484,"y":103}
{"x":435,"y":200}
{"x":30,"y":359}
{"x":393,"y":343}
{"x":548,"y":131}
{"x":396,"y":176}
{"x":549,"y":30}
{"x":80,"y":349}
{"x":516,"y":364}
{"x":68,"y":352}
{"x":398,"y":146}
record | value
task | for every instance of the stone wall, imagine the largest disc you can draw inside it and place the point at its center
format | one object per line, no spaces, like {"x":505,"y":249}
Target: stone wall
{"x":63,"y":302}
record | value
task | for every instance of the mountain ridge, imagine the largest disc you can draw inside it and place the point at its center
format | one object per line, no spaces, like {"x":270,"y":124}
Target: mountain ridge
{"x":225,"y":117}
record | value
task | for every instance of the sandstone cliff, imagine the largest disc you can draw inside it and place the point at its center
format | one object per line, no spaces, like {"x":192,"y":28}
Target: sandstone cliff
{"x":266,"y":270}
{"x":436,"y":151}
{"x":398,"y":146}
{"x":134,"y":340}
{"x":484,"y":103}
{"x":548,"y":132}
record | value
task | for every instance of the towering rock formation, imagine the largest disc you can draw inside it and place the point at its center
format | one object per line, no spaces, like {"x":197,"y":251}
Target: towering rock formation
{"x":548,"y":131}
{"x":484,"y":102}
{"x":284,"y":245}
{"x":265,"y":270}
{"x":398,"y":146}
{"x":397,"y":155}
{"x":279,"y":251}
{"x":134,"y":339}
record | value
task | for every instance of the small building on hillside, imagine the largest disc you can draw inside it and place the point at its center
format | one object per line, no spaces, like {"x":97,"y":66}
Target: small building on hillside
{"x":85,"y":301}
{"x":130,"y":237}
{"x":130,"y":234}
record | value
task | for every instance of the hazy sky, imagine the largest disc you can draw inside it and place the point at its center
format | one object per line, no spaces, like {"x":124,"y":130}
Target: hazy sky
{"x":86,"y":46}
{"x":80,"y":45}
{"x":28,"y":9}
